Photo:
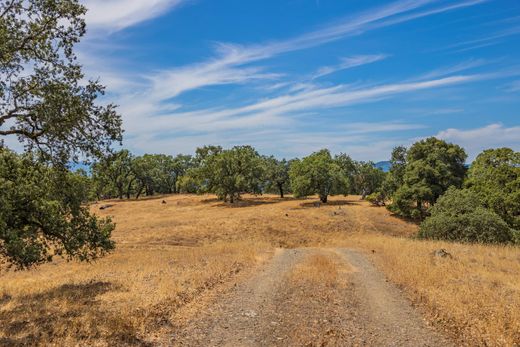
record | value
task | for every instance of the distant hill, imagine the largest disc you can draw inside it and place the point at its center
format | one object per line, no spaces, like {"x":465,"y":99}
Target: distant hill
{"x":383,"y":165}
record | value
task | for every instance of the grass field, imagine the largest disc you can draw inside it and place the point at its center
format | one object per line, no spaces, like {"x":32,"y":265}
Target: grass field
{"x":172,"y":256}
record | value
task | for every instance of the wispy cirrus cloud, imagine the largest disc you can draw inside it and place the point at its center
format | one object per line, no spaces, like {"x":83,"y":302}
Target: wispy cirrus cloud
{"x":278,"y":110}
{"x":115,"y":15}
{"x":449,"y":70}
{"x":486,"y":41}
{"x":348,"y":63}
{"x":233,"y":57}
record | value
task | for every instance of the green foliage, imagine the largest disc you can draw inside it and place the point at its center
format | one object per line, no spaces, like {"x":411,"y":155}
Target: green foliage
{"x":367,"y":178}
{"x":43,"y":98}
{"x":395,"y":177}
{"x":122,"y":174}
{"x":348,"y":168}
{"x":47,"y":105}
{"x":276,"y":175}
{"x":318,"y":174}
{"x":377,"y":199}
{"x":459,"y":215}
{"x":363,"y":177}
{"x":432,"y":166}
{"x":113,"y":175}
{"x":495,"y":177}
{"x":188,"y":183}
{"x":228,"y":173}
{"x":43,"y":215}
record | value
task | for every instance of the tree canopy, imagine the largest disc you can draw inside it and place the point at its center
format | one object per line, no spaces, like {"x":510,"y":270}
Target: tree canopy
{"x":432,"y":166}
{"x":43,"y":214}
{"x":229,"y":173}
{"x":277,"y":175}
{"x":43,"y":99}
{"x":319,"y":174}
{"x":47,"y":105}
{"x":495,"y":177}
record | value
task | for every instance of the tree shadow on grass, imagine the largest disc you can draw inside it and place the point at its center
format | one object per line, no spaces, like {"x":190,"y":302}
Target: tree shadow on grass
{"x":318,"y":204}
{"x":63,"y":313}
{"x":249,"y":201}
{"x":406,"y":219}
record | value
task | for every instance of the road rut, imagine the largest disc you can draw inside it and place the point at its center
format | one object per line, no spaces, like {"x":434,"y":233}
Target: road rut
{"x":311,"y":297}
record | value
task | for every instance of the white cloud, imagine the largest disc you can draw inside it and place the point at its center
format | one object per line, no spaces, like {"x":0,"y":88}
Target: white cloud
{"x":272,"y":112}
{"x":119,"y":14}
{"x":171,"y":83}
{"x":231,"y":58}
{"x":449,"y":70}
{"x":477,"y":139}
{"x":348,"y":63}
{"x":484,"y":41}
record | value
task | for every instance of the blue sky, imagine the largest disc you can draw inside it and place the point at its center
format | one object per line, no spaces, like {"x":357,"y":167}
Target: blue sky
{"x":293,"y":76}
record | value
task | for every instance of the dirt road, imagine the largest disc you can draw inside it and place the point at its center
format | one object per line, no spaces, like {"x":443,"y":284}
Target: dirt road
{"x":311,"y":297}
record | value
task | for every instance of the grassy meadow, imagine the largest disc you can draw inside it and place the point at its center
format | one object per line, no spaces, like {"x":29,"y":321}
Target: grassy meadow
{"x":175,"y":253}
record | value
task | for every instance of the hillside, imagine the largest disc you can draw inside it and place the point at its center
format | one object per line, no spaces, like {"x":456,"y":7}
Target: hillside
{"x":181,"y":260}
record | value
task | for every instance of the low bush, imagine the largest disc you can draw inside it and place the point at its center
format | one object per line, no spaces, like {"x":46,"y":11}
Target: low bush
{"x":377,"y":199}
{"x":459,"y":215}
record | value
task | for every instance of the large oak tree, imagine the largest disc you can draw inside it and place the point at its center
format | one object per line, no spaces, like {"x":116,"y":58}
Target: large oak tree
{"x":48,"y":106}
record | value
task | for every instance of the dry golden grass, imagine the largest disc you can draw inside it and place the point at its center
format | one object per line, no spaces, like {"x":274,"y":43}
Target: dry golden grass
{"x":169,"y":255}
{"x":318,"y":270}
{"x":475,"y":296}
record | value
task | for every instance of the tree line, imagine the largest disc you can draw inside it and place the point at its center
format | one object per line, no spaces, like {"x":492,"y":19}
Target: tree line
{"x":229,"y":173}
{"x":428,"y":182}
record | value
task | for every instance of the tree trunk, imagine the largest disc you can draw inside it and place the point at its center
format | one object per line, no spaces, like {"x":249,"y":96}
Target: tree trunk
{"x":128,"y":189}
{"x":139,"y":191}
{"x":280,"y":187}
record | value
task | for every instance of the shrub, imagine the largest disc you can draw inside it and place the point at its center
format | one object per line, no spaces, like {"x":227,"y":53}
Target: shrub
{"x":459,"y":215}
{"x":377,"y":199}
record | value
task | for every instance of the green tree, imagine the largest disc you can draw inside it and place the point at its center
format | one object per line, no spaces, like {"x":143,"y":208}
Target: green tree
{"x":432,"y":166}
{"x":229,"y":173}
{"x":348,"y":167}
{"x":205,"y":152}
{"x":319,"y":174}
{"x":460,"y":215}
{"x":47,"y":106}
{"x":182,"y":163}
{"x":113,"y":175}
{"x":495,"y":177}
{"x":43,"y":100}
{"x":144,"y":169}
{"x":367,"y":178}
{"x":395,"y":177}
{"x":277,"y":175}
{"x":43,"y":214}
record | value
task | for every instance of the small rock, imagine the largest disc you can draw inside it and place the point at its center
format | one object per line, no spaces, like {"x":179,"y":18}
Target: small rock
{"x":163,"y":202}
{"x":442,"y":253}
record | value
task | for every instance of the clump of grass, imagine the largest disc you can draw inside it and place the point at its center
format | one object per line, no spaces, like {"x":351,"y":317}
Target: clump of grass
{"x":317,"y":270}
